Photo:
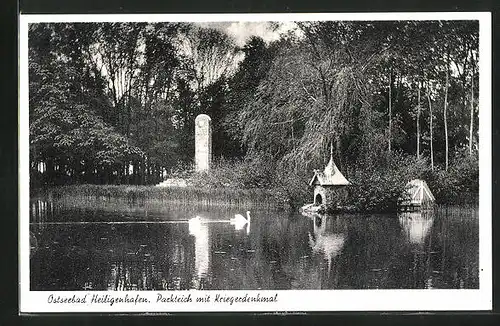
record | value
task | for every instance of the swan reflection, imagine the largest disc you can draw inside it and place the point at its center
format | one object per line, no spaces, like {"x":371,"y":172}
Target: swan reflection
{"x":416,"y":225}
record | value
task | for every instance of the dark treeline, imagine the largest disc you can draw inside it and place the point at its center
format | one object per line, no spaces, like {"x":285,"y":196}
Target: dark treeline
{"x":115,"y":102}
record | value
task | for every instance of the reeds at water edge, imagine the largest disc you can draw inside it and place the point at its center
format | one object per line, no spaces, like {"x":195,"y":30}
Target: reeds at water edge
{"x":144,"y":195}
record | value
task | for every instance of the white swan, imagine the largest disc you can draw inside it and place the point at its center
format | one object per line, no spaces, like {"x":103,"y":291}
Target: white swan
{"x":195,"y":221}
{"x":239,"y":220}
{"x":194,"y":225}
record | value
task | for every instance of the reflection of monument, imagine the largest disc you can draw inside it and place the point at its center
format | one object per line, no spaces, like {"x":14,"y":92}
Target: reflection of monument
{"x":330,"y":244}
{"x":416,"y":225}
{"x":201,"y":248}
{"x":203,"y":142}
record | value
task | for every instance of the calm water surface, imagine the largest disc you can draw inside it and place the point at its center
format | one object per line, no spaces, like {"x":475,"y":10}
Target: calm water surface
{"x":134,"y":248}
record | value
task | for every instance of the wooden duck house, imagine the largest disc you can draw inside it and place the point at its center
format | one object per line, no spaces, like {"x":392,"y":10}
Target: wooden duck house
{"x":329,"y":185}
{"x":418,"y":196}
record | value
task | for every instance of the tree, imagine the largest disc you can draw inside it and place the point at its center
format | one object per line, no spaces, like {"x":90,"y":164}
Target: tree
{"x":445,"y":111}
{"x":418,"y":123}
{"x":242,"y":87}
{"x":315,"y":93}
{"x":109,"y":98}
{"x":65,"y":132}
{"x":431,"y":118}
{"x":210,"y":55}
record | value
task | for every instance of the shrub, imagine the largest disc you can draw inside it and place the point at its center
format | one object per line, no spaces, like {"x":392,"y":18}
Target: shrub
{"x":458,"y":185}
{"x":291,"y":186}
{"x":240,"y":174}
{"x":378,"y":185}
{"x":287,"y":187}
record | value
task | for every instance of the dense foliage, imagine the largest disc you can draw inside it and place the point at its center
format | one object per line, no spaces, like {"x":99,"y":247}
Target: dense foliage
{"x":115,"y":103}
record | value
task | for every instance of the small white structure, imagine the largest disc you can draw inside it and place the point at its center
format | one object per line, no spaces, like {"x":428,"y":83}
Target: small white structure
{"x":418,"y":195}
{"x":173,"y":182}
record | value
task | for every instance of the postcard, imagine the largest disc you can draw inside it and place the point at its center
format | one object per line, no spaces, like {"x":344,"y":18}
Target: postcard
{"x":255,"y":162}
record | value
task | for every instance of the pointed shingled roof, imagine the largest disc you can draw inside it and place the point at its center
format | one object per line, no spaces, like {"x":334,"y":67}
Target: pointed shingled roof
{"x":418,"y":192}
{"x":330,"y":176}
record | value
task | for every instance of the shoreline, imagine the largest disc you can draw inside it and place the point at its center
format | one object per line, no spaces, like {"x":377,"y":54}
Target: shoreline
{"x":140,"y":198}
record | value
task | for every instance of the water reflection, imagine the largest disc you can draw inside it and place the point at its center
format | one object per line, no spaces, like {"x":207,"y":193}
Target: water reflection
{"x":76,"y":249}
{"x":201,"y":251}
{"x":33,"y":244}
{"x":326,"y":242}
{"x":416,"y":225}
{"x":42,"y":210}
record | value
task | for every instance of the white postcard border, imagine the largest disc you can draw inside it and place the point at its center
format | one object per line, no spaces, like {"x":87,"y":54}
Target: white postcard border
{"x":288,"y":300}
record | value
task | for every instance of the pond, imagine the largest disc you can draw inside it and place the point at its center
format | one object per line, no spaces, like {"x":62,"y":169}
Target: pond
{"x":120,"y":247}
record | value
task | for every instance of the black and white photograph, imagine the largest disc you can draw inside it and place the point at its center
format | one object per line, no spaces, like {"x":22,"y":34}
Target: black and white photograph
{"x":255,"y":162}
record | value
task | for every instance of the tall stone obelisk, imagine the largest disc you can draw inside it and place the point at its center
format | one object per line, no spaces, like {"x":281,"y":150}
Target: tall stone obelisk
{"x":203,"y":142}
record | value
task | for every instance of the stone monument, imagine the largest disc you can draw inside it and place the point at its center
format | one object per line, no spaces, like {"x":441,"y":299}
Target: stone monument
{"x":203,"y":142}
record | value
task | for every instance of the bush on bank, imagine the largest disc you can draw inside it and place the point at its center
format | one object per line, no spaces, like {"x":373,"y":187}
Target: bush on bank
{"x":377,"y":184}
{"x":286,"y":187}
{"x":458,"y":185}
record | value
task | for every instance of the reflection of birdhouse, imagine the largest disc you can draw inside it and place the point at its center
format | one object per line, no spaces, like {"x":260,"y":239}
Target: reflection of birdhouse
{"x":416,"y":226}
{"x":326,"y":242}
{"x":329,"y":185}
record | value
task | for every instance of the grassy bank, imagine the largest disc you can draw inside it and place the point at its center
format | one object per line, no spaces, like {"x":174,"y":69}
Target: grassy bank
{"x":143,"y":195}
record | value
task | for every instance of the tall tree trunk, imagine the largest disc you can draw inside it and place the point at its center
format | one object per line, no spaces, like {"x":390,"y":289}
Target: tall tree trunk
{"x":125,"y":173}
{"x":431,"y":128}
{"x":338,"y":151}
{"x":390,"y":109}
{"x":445,"y":112}
{"x":293,"y":148}
{"x":471,"y":128}
{"x":418,"y":123}
{"x":50,"y":172}
{"x":129,"y":91}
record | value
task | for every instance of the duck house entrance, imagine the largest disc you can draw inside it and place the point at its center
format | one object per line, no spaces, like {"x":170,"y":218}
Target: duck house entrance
{"x":319,"y":199}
